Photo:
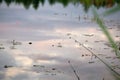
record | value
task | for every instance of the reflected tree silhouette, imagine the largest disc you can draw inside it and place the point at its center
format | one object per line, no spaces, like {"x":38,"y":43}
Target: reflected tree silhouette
{"x":8,"y":2}
{"x":35,"y":4}
{"x":51,"y":2}
{"x":0,"y":1}
{"x":86,"y":3}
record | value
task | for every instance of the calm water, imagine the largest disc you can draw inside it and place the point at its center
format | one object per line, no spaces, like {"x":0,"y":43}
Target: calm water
{"x":38,"y":44}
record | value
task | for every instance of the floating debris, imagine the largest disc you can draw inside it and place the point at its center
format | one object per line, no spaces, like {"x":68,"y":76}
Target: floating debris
{"x":118,"y":67}
{"x":117,"y":36}
{"x":101,"y":54}
{"x":90,"y":62}
{"x":68,"y":34}
{"x":108,"y":57}
{"x":90,"y":48}
{"x":69,"y":37}
{"x":86,"y":40}
{"x":30,"y":43}
{"x":87,"y":55}
{"x":76,"y":41}
{"x":68,"y":61}
{"x":53,"y":68}
{"x":89,"y":35}
{"x":115,"y":66}
{"x":39,"y":66}
{"x":53,"y":45}
{"x":96,"y":41}
{"x":6,"y":66}
{"x":59,"y":46}
{"x":117,"y":57}
{"x":2,"y":47}
{"x":106,"y":48}
{"x":110,"y":28}
{"x":35,"y":65}
{"x":16,"y":43}
{"x":82,"y":55}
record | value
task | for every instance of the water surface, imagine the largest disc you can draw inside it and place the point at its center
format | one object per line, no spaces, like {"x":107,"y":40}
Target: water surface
{"x":39,"y":44}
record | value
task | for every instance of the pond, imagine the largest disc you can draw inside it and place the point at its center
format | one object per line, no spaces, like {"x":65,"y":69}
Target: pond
{"x":57,"y":40}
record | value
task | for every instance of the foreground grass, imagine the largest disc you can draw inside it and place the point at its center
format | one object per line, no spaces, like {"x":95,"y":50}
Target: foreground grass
{"x":106,"y":32}
{"x":110,"y":39}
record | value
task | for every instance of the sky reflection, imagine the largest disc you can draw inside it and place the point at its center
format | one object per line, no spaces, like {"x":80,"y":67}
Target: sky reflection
{"x":54,"y":33}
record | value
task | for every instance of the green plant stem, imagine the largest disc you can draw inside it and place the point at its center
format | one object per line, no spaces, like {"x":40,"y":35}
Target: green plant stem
{"x":106,"y":32}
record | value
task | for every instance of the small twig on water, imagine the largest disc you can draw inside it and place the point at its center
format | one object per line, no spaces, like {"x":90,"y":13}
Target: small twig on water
{"x":78,"y":78}
{"x":117,"y":74}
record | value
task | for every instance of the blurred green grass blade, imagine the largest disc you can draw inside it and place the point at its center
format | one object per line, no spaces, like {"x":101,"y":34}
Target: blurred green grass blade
{"x":106,"y":32}
{"x":112,"y":42}
{"x":111,"y":11}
